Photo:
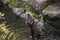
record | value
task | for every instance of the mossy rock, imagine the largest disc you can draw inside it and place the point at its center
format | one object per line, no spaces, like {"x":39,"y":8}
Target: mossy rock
{"x":52,"y":16}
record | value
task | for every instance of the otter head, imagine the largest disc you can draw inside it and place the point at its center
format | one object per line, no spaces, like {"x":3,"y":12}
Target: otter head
{"x":25,"y":14}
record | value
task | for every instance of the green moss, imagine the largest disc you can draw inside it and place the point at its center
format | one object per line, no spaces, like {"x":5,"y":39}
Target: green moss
{"x":6,"y":1}
{"x":50,"y":6}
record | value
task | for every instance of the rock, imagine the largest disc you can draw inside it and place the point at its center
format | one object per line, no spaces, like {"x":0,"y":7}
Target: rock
{"x":52,"y":16}
{"x":54,"y":11}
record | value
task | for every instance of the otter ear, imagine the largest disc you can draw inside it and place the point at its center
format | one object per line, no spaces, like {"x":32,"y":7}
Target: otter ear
{"x":24,"y":11}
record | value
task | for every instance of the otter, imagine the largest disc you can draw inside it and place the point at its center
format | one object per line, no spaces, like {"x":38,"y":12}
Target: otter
{"x":35,"y":25}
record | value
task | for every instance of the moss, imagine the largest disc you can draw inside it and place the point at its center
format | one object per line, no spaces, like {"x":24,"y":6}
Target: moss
{"x":50,"y":6}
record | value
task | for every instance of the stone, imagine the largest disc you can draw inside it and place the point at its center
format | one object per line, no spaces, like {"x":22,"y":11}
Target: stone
{"x":52,"y":16}
{"x":54,"y":11}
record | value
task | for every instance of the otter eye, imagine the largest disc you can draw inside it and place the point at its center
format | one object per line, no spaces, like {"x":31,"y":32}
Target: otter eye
{"x":24,"y":11}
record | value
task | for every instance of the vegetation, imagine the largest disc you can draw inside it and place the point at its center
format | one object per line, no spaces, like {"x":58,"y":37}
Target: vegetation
{"x":11,"y":26}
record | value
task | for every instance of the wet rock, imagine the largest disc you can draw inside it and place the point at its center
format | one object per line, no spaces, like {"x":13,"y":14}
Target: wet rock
{"x":52,"y":16}
{"x":54,"y":11}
